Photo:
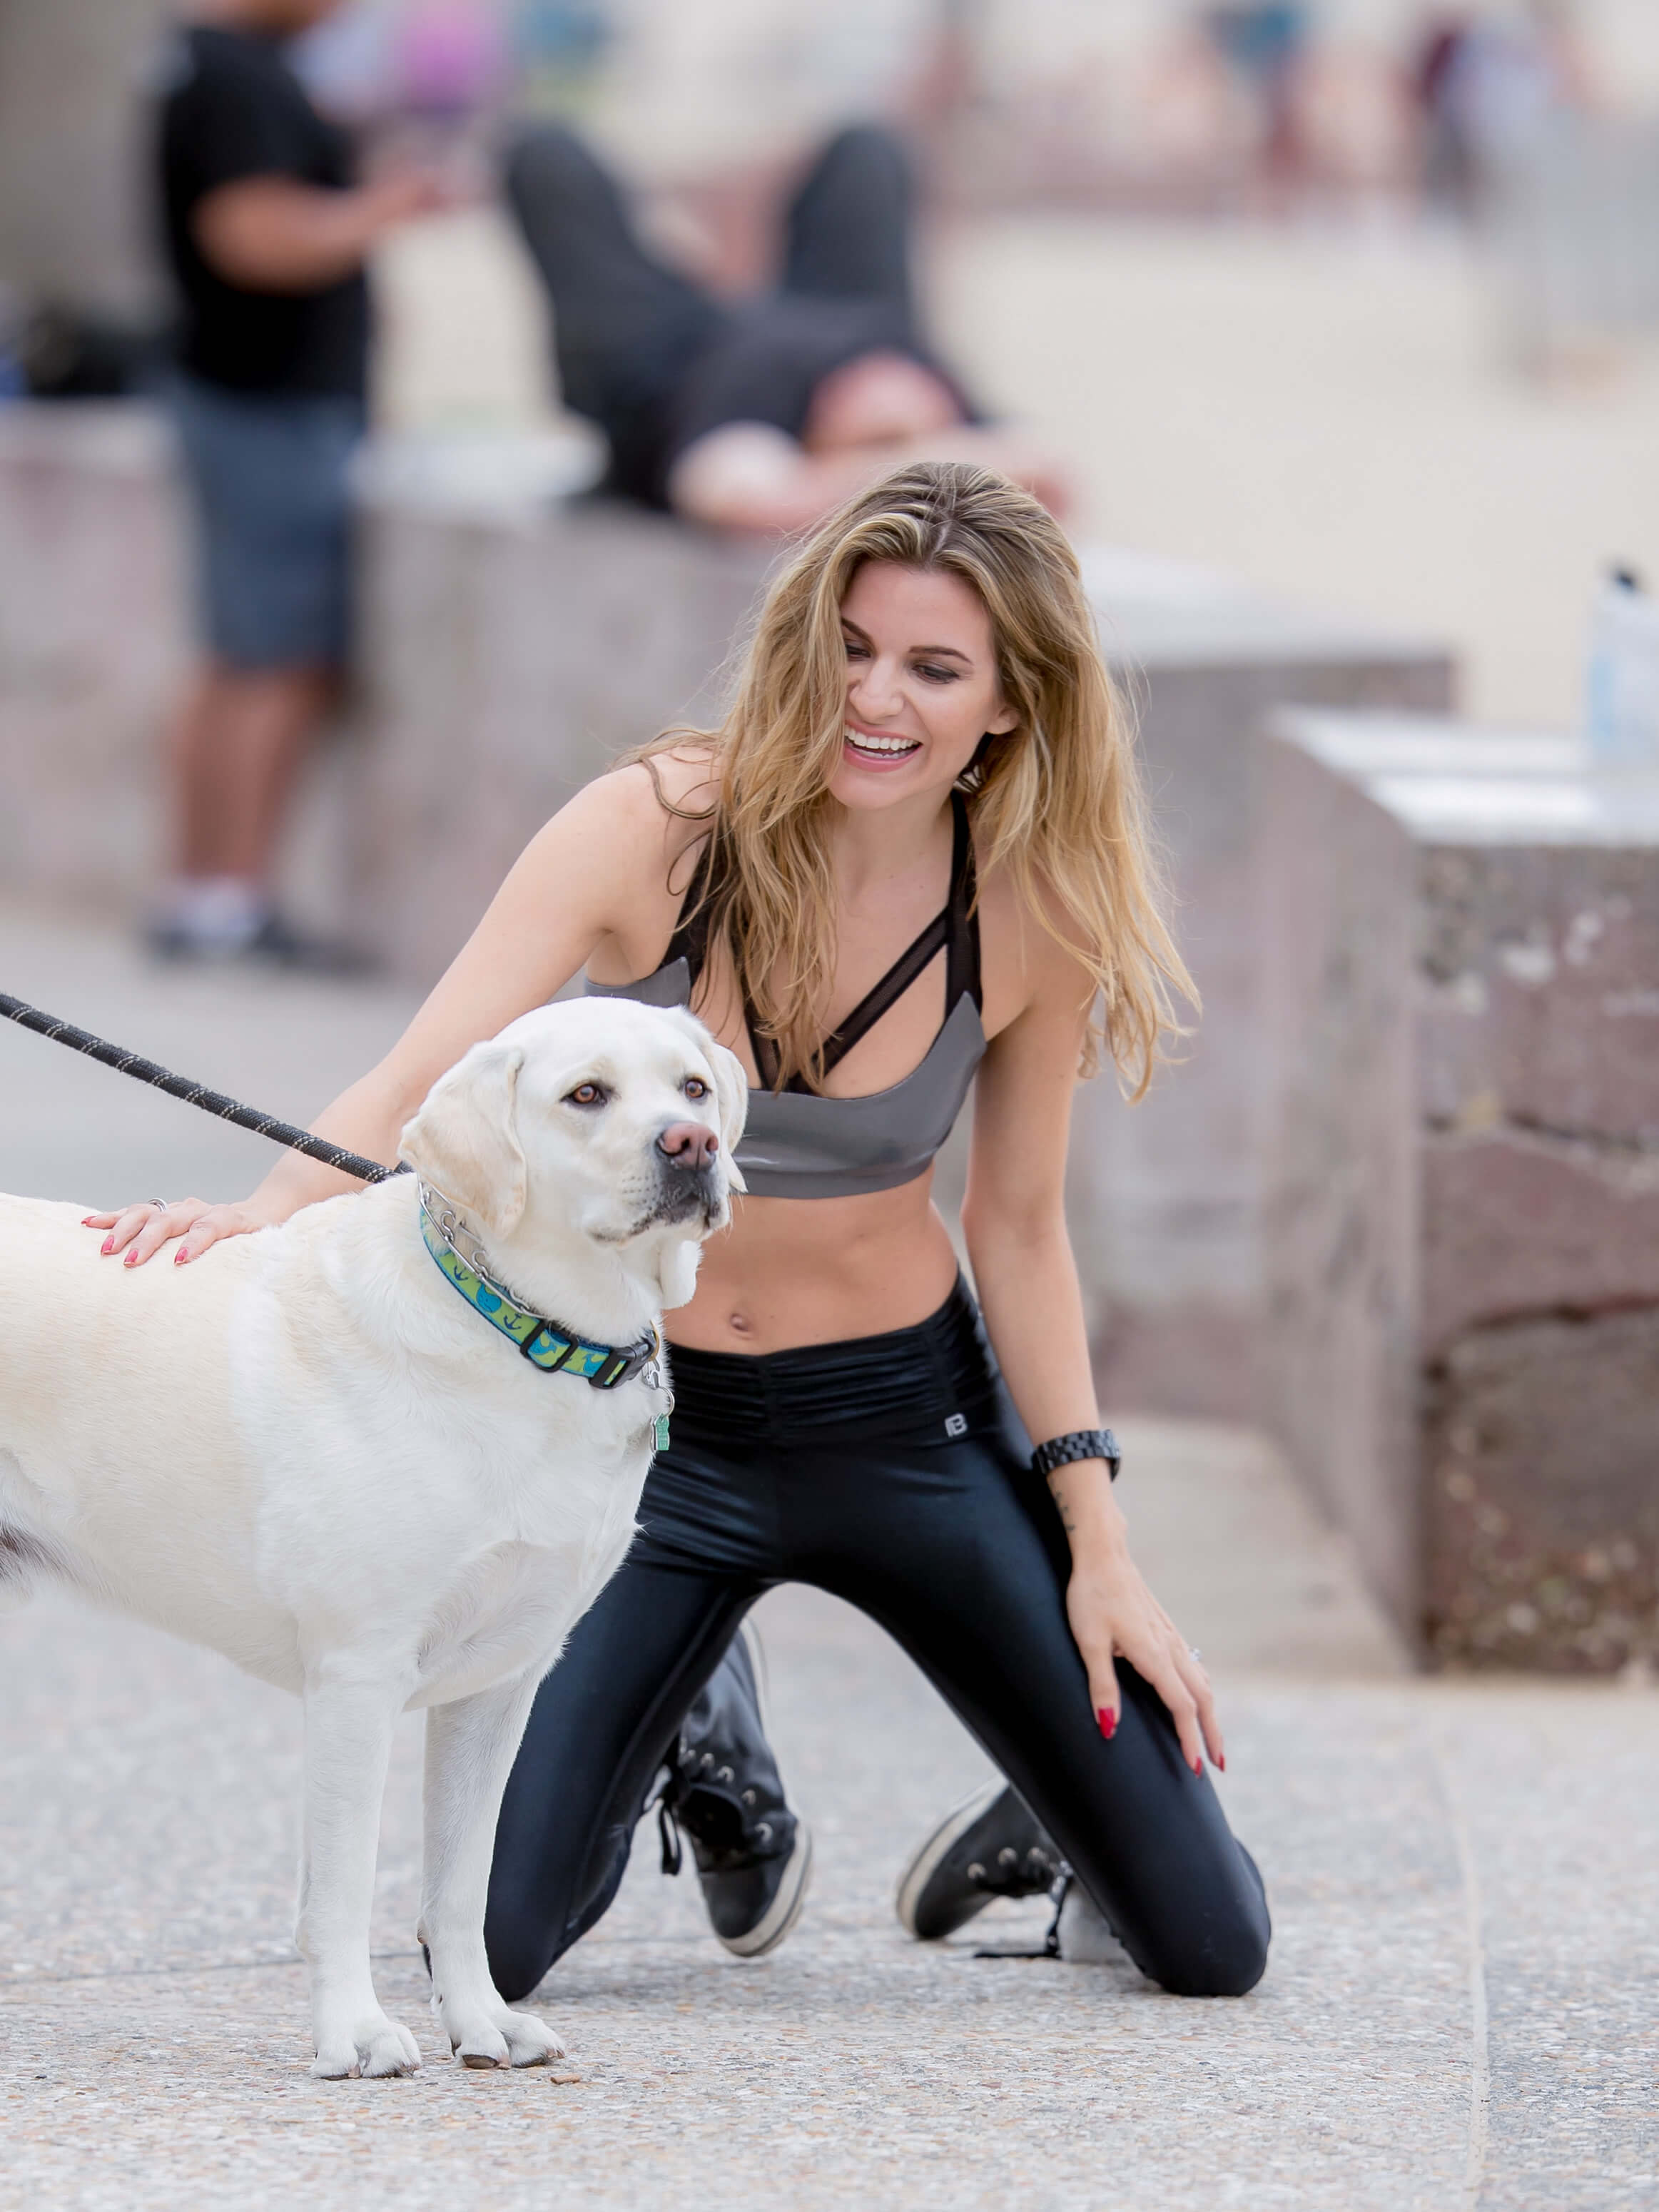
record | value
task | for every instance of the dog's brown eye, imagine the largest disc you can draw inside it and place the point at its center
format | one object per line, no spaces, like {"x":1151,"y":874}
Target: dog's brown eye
{"x":695,"y":1087}
{"x":585,"y":1094}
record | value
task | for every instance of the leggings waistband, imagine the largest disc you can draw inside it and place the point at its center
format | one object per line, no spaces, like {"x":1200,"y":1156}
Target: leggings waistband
{"x":903,"y":1378}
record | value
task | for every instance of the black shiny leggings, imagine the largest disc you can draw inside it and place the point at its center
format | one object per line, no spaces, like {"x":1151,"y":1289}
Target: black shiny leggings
{"x":892,"y":1471}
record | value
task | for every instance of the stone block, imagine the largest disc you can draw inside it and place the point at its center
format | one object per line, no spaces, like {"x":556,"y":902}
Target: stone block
{"x":1340,"y":1253}
{"x":1516,"y":1224}
{"x":504,"y":662}
{"x":1464,"y":1288}
{"x":1545,"y":976}
{"x":1540,"y":1493}
{"x":91,"y":646}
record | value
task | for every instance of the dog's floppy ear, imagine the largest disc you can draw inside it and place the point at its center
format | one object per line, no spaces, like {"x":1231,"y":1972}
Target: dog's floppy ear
{"x":732,"y":1097}
{"x":464,"y":1139}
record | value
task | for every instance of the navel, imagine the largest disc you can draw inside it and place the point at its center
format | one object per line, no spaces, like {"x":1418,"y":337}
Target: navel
{"x":741,"y":1324}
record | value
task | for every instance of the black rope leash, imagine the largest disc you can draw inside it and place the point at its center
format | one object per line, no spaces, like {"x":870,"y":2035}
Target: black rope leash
{"x":196,"y":1094}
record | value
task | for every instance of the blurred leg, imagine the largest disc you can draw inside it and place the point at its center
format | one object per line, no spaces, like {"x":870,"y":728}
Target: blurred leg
{"x":238,"y":747}
{"x":270,"y":489}
{"x":624,"y":324}
{"x":846,"y":235}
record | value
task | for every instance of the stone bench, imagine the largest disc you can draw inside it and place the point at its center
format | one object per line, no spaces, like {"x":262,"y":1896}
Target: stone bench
{"x":1461,"y":938}
{"x":510,"y":644}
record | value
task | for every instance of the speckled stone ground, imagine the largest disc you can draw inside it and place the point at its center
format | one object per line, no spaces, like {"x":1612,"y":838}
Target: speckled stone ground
{"x":1459,"y":2011}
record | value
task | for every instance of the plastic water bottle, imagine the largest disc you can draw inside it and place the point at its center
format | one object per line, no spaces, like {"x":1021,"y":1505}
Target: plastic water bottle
{"x":1621,"y":716}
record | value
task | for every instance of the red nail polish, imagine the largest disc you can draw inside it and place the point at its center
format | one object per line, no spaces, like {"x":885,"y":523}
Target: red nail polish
{"x":1221,"y":1760}
{"x":130,"y":1257}
{"x":179,"y":1258}
{"x":109,"y":1242}
{"x":1197,"y":1768}
{"x":1107,"y":1720}
{"x":86,"y":1221}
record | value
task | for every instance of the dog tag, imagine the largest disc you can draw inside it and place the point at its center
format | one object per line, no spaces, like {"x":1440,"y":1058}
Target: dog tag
{"x":660,"y":1425}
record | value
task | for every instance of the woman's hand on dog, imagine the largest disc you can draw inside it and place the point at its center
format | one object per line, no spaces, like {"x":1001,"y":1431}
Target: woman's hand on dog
{"x":138,"y":1233}
{"x":1114,"y":1615}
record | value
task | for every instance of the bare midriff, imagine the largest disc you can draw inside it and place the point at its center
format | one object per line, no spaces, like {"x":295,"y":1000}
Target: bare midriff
{"x":793,"y":1271}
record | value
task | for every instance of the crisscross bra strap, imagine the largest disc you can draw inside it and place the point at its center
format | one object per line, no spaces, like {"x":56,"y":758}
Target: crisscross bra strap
{"x":955,"y":929}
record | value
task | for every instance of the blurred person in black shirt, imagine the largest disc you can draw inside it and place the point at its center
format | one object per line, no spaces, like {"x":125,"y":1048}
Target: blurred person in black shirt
{"x":266,"y":232}
{"x":760,"y":414}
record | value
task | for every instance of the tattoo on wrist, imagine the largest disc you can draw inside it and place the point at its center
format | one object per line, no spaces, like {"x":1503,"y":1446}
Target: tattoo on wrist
{"x":1067,"y":1520}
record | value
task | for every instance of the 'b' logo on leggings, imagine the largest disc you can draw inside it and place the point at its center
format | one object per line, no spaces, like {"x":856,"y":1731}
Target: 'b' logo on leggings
{"x":955,"y":1425}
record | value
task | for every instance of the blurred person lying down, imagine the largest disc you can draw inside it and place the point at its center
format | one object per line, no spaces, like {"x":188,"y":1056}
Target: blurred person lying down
{"x":761,"y":414}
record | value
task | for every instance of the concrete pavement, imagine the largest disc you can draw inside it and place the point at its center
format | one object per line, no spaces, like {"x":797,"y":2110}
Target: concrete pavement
{"x":1459,"y":2011}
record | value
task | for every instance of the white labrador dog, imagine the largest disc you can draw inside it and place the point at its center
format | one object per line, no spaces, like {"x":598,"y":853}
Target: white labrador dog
{"x":310,"y":1451}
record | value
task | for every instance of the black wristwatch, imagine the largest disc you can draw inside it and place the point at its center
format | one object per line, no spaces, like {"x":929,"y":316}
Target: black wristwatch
{"x":1081,"y":1443}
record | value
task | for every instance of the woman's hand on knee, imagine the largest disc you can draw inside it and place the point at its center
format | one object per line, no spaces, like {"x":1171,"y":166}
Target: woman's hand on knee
{"x":1114,"y":1615}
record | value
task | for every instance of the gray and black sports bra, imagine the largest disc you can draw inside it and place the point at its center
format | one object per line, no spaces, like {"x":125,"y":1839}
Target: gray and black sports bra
{"x":799,"y":1143}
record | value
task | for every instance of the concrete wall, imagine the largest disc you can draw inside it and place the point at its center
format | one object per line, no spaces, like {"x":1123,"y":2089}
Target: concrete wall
{"x":75,"y":218}
{"x":92,"y":649}
{"x":504,"y":662}
{"x":1462,"y":932}
{"x":509,"y":647}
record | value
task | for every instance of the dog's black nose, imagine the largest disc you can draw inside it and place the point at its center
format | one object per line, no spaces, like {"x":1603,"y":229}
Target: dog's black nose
{"x":687,"y":1146}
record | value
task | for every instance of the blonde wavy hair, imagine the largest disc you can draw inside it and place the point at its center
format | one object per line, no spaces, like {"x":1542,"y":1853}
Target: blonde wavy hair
{"x":1057,"y":799}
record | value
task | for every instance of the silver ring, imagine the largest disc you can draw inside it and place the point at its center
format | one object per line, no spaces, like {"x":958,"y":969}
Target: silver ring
{"x":1193,"y":1651}
{"x":160,"y":1204}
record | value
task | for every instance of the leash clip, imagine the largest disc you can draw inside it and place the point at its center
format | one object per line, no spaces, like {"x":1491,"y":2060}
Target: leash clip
{"x":651,"y":1376}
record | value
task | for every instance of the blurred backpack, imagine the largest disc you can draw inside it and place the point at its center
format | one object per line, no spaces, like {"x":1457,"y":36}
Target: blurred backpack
{"x":72,"y":353}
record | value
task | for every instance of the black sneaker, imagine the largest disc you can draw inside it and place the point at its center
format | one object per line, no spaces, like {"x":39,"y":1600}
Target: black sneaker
{"x":278,"y":943}
{"x":990,"y":1846}
{"x":274,"y":943}
{"x":724,"y":1789}
{"x":172,"y":940}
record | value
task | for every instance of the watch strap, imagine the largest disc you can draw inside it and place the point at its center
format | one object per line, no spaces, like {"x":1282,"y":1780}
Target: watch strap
{"x":1077,"y":1444}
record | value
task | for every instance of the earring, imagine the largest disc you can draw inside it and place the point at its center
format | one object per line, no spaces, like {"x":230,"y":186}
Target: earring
{"x":974,"y":775}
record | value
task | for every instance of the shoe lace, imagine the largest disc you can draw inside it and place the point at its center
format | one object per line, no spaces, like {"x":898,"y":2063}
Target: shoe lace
{"x":668,"y":1832}
{"x":1058,"y":1890}
{"x":699,"y":1798}
{"x":1059,"y":1893}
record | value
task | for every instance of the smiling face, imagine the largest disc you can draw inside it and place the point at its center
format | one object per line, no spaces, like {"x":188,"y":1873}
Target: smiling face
{"x":922,"y":687}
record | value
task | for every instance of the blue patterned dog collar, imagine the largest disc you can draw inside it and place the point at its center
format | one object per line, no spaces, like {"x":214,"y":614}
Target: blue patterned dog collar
{"x":544,"y":1343}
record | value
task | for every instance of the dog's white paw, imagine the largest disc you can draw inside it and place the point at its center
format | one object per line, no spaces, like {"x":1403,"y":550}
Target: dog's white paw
{"x":371,"y":2045}
{"x":496,"y":2035}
